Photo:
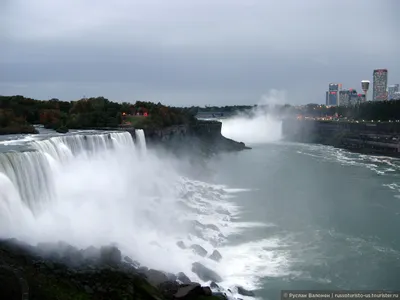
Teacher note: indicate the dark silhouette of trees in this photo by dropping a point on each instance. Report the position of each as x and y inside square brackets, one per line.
[18, 112]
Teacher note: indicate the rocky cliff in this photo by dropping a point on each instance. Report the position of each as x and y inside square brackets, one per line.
[60, 271]
[203, 137]
[369, 138]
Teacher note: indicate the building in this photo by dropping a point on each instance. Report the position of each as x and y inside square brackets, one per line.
[396, 96]
[379, 91]
[333, 93]
[344, 97]
[327, 98]
[353, 97]
[391, 90]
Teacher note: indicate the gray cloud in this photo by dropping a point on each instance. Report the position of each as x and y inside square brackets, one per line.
[194, 52]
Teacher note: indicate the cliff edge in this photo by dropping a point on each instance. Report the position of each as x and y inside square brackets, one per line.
[361, 137]
[203, 137]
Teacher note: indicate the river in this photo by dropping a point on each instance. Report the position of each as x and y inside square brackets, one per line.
[282, 215]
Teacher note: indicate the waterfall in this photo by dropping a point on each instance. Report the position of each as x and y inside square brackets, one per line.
[141, 140]
[32, 172]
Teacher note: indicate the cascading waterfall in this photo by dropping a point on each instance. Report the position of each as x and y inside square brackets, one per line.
[32, 172]
[141, 139]
[95, 189]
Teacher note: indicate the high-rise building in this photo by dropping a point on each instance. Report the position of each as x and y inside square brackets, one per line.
[327, 98]
[380, 85]
[344, 97]
[333, 93]
[353, 97]
[391, 90]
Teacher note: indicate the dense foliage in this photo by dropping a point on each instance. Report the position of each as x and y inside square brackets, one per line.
[17, 114]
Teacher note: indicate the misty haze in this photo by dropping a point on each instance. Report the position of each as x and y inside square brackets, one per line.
[199, 150]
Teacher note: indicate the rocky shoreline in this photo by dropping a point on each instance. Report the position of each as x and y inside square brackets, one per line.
[60, 271]
[364, 138]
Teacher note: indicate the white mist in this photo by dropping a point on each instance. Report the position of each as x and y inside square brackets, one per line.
[104, 189]
[260, 127]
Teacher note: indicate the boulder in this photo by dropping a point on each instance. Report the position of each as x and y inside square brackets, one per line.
[156, 277]
[220, 295]
[91, 252]
[214, 285]
[183, 278]
[207, 291]
[215, 256]
[110, 255]
[205, 273]
[189, 291]
[199, 250]
[213, 227]
[242, 291]
[171, 276]
[181, 245]
[132, 262]
[168, 289]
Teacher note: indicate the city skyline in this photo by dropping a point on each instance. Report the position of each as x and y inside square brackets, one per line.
[380, 88]
[193, 52]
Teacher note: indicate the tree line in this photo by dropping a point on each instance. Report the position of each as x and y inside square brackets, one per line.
[371, 110]
[18, 114]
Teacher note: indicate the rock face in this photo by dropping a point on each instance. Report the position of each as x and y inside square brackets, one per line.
[364, 137]
[203, 137]
[183, 278]
[110, 255]
[205, 273]
[199, 250]
[25, 273]
[216, 256]
[244, 292]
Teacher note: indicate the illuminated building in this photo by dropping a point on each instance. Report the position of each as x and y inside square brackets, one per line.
[333, 93]
[391, 90]
[380, 85]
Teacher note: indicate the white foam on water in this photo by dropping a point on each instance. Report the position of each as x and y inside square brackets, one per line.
[102, 188]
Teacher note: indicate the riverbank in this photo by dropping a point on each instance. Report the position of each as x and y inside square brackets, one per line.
[60, 271]
[366, 138]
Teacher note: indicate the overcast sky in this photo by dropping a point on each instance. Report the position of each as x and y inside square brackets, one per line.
[195, 52]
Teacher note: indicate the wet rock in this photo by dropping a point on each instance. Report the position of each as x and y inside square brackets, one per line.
[156, 277]
[110, 255]
[171, 276]
[220, 295]
[143, 269]
[242, 291]
[183, 278]
[199, 250]
[207, 291]
[181, 245]
[213, 227]
[215, 256]
[214, 285]
[189, 291]
[91, 253]
[205, 273]
[128, 259]
[168, 289]
[132, 262]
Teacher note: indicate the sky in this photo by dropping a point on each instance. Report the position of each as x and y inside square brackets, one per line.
[197, 52]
